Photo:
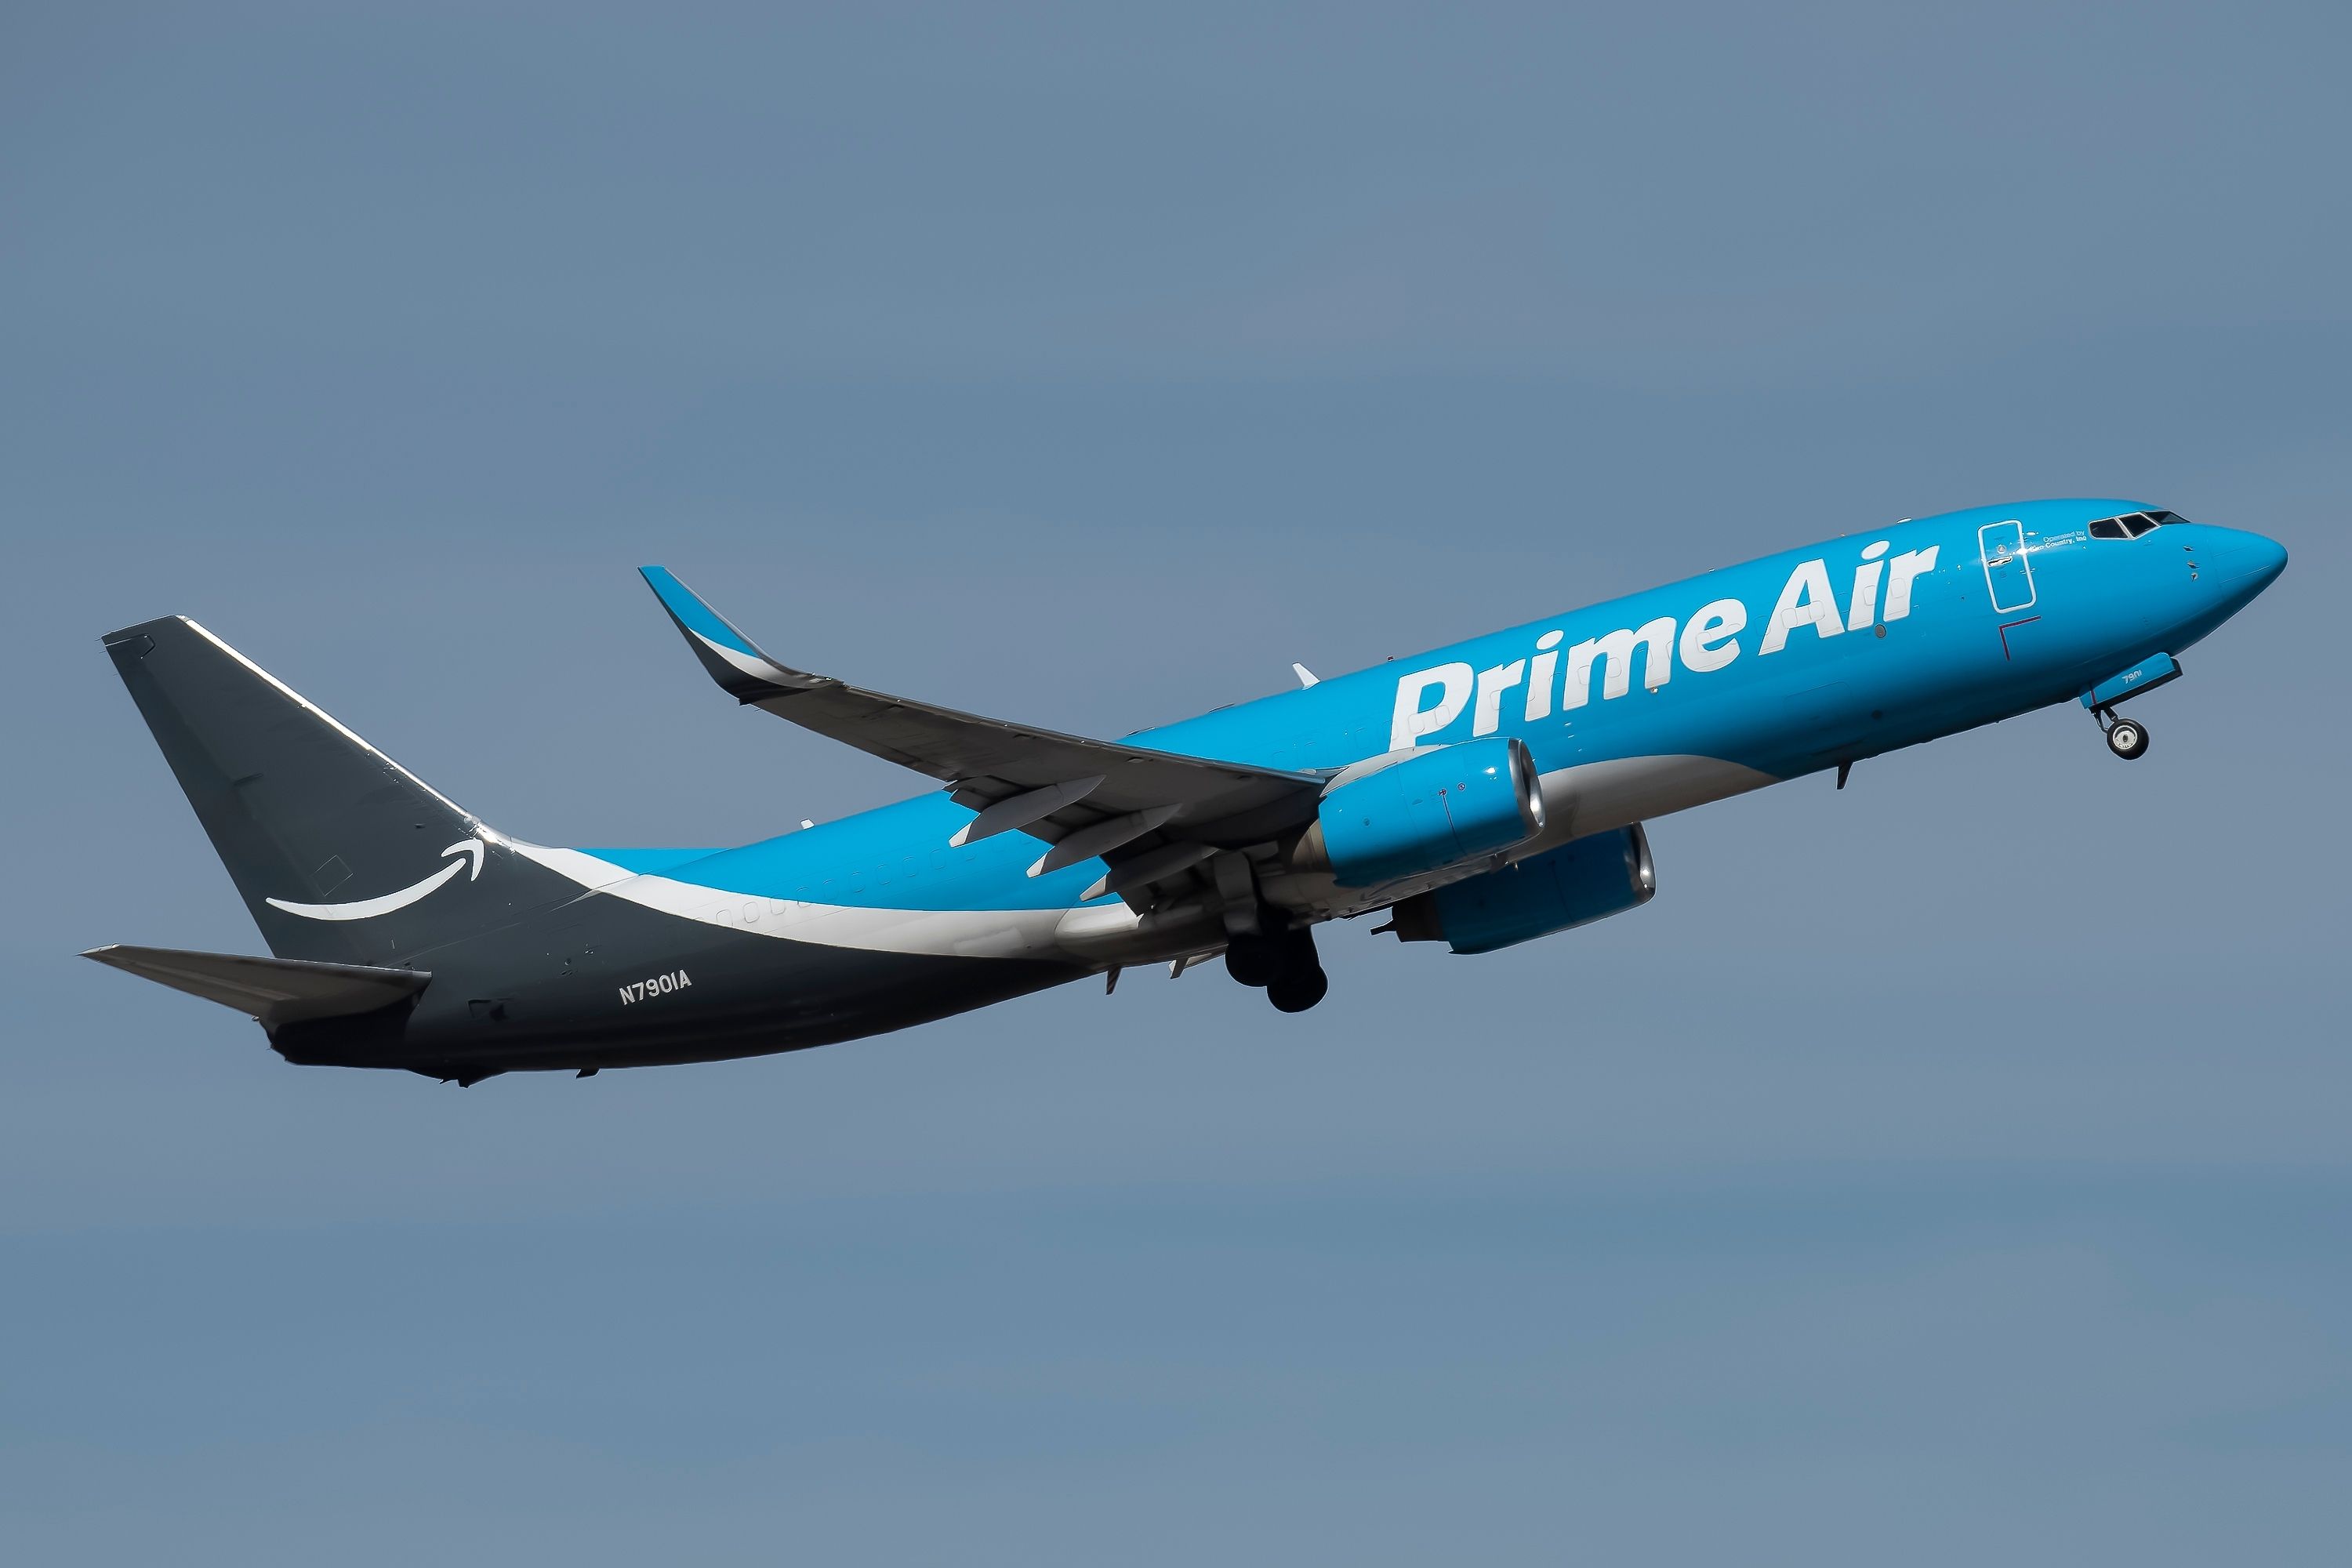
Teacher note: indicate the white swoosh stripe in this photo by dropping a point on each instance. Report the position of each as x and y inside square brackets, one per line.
[757, 669]
[959, 933]
[1589, 798]
[365, 909]
[368, 908]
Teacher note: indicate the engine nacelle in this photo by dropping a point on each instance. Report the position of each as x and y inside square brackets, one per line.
[1426, 814]
[1584, 881]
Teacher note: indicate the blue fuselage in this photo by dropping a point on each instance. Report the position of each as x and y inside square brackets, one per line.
[1628, 709]
[1735, 678]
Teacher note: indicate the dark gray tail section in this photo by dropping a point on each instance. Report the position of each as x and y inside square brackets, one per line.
[342, 855]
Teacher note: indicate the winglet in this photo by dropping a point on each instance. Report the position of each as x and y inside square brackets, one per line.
[734, 660]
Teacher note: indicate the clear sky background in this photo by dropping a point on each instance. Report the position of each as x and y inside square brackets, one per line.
[1952, 1170]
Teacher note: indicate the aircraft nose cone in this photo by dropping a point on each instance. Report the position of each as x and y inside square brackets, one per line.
[2247, 563]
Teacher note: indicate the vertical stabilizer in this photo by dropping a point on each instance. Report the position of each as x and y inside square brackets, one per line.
[342, 855]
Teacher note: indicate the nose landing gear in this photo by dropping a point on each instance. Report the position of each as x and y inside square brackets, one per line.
[1284, 964]
[2126, 738]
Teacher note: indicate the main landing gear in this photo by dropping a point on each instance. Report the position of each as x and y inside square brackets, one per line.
[2126, 738]
[1284, 964]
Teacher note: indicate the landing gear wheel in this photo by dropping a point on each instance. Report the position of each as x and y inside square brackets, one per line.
[1296, 990]
[1264, 958]
[2127, 738]
[1253, 960]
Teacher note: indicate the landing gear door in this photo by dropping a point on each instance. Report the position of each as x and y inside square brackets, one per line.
[2008, 575]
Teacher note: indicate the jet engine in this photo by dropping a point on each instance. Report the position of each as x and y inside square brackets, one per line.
[1584, 881]
[1426, 813]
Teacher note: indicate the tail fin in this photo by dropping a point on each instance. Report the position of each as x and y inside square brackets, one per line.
[342, 855]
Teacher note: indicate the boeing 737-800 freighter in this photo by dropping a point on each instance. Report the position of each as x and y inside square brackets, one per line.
[1483, 795]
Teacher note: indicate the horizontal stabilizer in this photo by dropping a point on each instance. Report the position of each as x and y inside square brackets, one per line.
[274, 990]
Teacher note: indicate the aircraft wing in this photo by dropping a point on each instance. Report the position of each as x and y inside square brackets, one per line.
[1083, 796]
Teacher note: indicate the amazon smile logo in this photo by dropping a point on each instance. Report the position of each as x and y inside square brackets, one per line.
[367, 908]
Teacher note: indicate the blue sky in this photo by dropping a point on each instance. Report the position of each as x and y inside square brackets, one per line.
[1947, 1168]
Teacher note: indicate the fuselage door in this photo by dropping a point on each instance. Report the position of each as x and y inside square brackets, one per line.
[2008, 575]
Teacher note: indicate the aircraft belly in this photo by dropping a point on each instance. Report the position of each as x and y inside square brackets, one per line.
[1593, 797]
[621, 984]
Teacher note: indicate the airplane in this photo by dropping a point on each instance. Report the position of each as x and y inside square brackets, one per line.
[1482, 795]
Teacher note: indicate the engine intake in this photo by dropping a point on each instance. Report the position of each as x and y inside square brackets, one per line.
[1426, 813]
[1584, 881]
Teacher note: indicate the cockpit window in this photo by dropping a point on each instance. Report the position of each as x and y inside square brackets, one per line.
[2132, 524]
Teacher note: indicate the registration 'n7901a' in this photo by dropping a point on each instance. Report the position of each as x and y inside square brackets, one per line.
[658, 986]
